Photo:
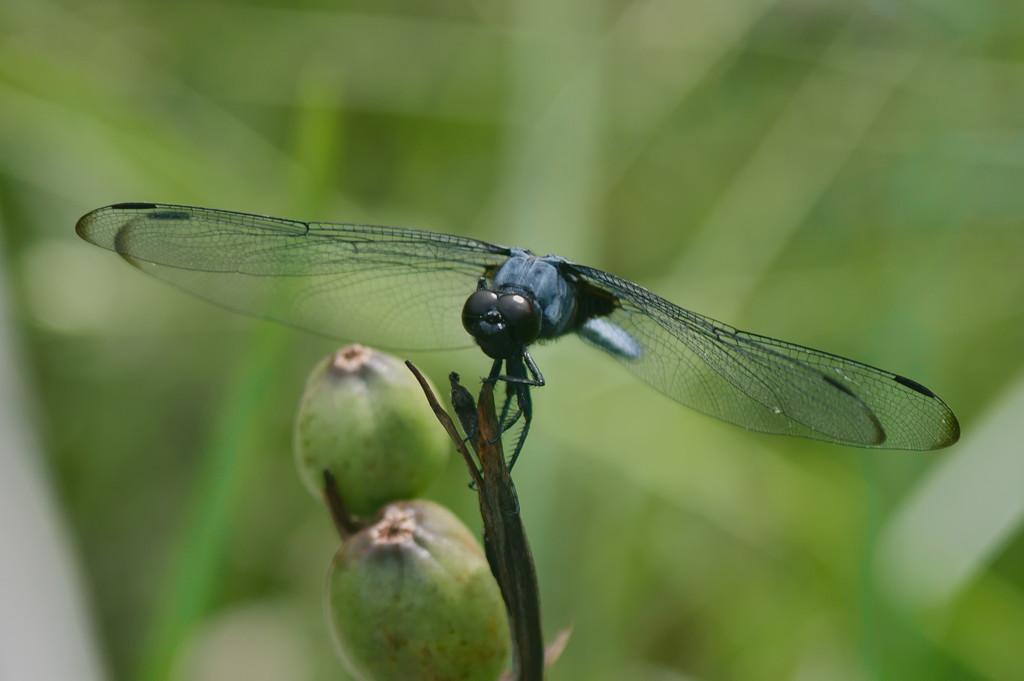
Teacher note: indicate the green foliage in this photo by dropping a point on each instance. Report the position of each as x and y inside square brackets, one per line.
[843, 175]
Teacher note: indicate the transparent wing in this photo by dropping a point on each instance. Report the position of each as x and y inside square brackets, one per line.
[766, 384]
[389, 287]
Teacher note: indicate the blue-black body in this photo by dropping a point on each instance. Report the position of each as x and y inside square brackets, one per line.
[566, 303]
[540, 279]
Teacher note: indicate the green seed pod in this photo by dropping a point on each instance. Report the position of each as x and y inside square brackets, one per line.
[412, 598]
[364, 418]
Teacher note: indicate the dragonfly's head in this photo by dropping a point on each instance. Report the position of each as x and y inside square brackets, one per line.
[501, 323]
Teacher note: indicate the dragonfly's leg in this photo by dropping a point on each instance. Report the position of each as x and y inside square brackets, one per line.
[521, 374]
[519, 385]
[495, 374]
[525, 401]
[518, 369]
[494, 377]
[506, 421]
[537, 376]
[513, 379]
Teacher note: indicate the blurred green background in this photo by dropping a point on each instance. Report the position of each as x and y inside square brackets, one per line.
[845, 175]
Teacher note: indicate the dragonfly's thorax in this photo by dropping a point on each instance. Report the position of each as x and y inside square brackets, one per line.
[539, 280]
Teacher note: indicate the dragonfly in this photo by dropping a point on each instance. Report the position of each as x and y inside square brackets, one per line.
[403, 289]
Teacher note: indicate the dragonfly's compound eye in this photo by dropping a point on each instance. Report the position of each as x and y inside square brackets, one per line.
[484, 316]
[480, 310]
[521, 315]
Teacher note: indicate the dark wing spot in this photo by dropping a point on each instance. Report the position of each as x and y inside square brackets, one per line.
[156, 214]
[913, 385]
[134, 206]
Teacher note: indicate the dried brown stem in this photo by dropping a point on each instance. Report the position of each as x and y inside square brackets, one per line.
[505, 542]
